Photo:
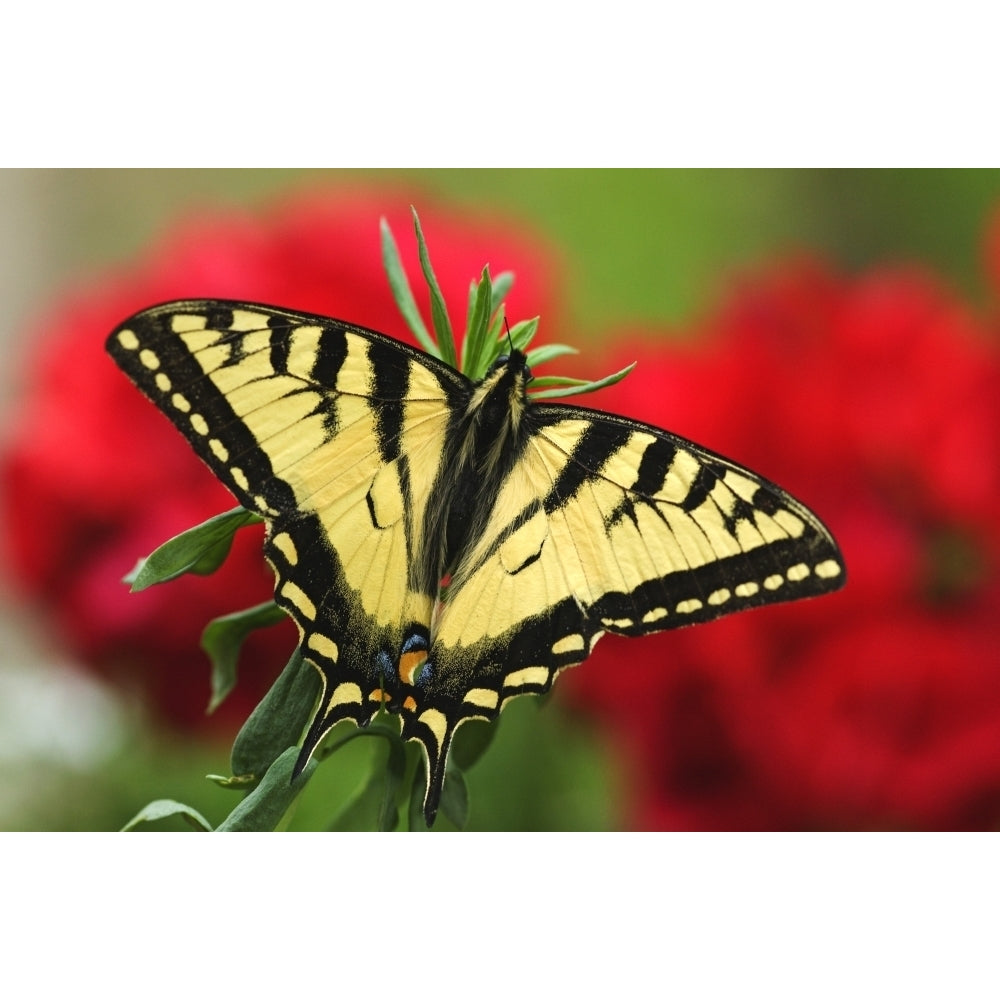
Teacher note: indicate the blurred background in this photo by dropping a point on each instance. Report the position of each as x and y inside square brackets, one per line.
[835, 330]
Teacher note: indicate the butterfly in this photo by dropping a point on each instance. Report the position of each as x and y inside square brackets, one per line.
[443, 544]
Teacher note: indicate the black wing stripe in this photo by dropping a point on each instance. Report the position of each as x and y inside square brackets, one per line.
[591, 451]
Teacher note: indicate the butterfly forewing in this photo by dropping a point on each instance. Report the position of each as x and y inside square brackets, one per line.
[686, 535]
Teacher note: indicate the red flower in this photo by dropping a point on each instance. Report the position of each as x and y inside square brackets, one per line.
[875, 401]
[93, 477]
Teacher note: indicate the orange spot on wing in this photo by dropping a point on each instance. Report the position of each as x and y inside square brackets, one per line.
[410, 704]
[408, 664]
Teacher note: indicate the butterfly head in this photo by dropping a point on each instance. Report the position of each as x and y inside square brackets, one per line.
[507, 378]
[515, 362]
[499, 400]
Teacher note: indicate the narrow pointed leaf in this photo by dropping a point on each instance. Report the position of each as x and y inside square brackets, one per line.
[470, 308]
[522, 333]
[541, 355]
[265, 806]
[439, 312]
[496, 340]
[497, 329]
[401, 292]
[476, 358]
[473, 323]
[223, 638]
[574, 387]
[162, 808]
[277, 722]
[502, 285]
[201, 550]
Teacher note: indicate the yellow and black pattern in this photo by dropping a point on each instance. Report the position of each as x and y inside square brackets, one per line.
[445, 545]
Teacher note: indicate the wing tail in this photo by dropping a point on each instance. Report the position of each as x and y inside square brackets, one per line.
[433, 730]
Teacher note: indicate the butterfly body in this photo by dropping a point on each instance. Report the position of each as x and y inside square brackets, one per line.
[444, 545]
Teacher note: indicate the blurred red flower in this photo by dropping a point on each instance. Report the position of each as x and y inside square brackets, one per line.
[874, 399]
[82, 499]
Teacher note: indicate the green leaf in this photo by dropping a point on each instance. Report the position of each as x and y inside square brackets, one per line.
[495, 330]
[541, 355]
[522, 333]
[469, 309]
[415, 813]
[471, 741]
[264, 807]
[401, 292]
[475, 347]
[162, 808]
[495, 343]
[455, 796]
[439, 312]
[376, 806]
[222, 639]
[575, 386]
[454, 803]
[201, 550]
[496, 334]
[502, 284]
[241, 784]
[395, 771]
[277, 722]
[362, 812]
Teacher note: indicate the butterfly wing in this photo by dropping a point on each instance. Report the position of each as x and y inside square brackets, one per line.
[603, 525]
[336, 436]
